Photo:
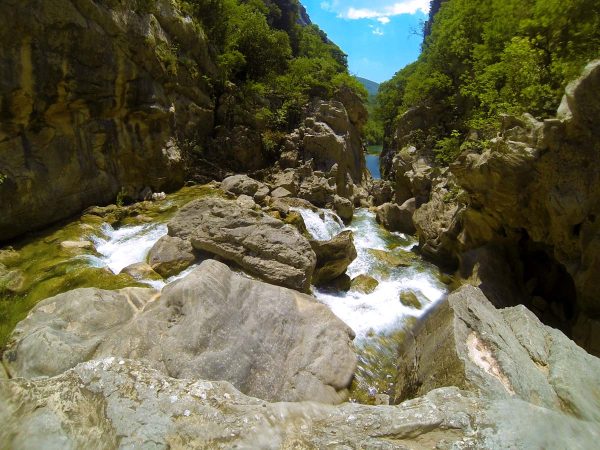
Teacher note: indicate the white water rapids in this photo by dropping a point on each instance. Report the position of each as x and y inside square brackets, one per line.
[381, 310]
[377, 312]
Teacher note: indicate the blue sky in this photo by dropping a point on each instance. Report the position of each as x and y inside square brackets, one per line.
[378, 35]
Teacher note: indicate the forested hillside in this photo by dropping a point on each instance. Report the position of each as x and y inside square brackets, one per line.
[276, 60]
[485, 58]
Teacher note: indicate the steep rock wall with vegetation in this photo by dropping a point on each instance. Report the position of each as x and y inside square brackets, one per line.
[106, 99]
[481, 59]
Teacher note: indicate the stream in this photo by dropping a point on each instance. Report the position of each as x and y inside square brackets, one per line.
[378, 318]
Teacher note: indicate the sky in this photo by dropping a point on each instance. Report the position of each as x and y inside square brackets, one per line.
[379, 36]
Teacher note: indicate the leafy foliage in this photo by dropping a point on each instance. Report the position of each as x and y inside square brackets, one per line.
[276, 64]
[483, 58]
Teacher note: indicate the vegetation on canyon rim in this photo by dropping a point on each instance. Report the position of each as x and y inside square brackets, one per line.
[277, 63]
[482, 59]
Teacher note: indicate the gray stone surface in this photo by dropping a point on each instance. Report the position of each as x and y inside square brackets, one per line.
[257, 242]
[333, 257]
[270, 342]
[171, 255]
[243, 184]
[499, 354]
[117, 403]
[397, 218]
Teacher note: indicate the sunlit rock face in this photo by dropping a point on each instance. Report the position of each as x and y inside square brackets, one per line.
[270, 342]
[532, 195]
[91, 105]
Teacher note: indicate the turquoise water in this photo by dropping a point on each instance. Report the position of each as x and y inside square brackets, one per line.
[372, 159]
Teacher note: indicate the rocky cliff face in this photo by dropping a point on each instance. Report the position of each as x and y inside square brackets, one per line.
[100, 99]
[521, 217]
[93, 99]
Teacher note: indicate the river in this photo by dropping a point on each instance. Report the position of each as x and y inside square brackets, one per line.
[379, 318]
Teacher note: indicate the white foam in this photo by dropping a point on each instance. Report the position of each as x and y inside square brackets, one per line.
[321, 229]
[381, 310]
[126, 245]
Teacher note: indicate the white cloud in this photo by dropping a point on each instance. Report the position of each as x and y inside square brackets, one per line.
[380, 10]
[378, 31]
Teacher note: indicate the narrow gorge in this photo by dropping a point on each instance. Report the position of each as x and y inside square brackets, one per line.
[214, 236]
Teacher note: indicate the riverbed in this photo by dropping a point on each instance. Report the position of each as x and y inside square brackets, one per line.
[378, 318]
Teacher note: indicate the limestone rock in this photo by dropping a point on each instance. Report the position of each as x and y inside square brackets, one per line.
[141, 271]
[500, 354]
[344, 208]
[364, 283]
[254, 240]
[112, 403]
[244, 185]
[288, 180]
[397, 218]
[317, 189]
[12, 281]
[333, 257]
[270, 342]
[171, 255]
[410, 299]
[245, 201]
[281, 192]
[92, 112]
[534, 193]
[397, 258]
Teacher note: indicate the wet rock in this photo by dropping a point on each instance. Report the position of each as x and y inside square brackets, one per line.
[271, 342]
[333, 257]
[9, 256]
[171, 255]
[255, 241]
[397, 218]
[77, 245]
[396, 259]
[342, 283]
[141, 271]
[501, 354]
[12, 281]
[410, 299]
[364, 284]
[344, 208]
[295, 219]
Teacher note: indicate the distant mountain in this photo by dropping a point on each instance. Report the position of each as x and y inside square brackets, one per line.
[371, 86]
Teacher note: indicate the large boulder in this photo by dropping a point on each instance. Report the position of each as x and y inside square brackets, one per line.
[257, 242]
[171, 255]
[244, 185]
[500, 354]
[270, 342]
[333, 257]
[397, 218]
[91, 112]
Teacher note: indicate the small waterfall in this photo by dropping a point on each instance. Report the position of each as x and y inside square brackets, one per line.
[126, 245]
[380, 311]
[322, 229]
